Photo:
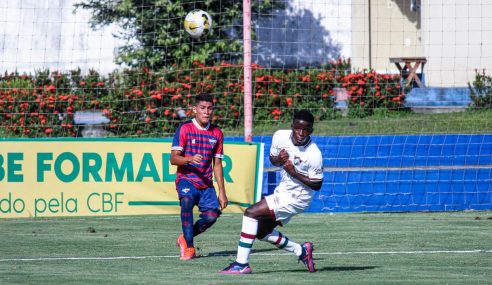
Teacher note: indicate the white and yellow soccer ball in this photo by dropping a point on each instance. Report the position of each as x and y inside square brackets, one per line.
[198, 23]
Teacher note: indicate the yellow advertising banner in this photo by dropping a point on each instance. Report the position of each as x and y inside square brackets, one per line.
[96, 177]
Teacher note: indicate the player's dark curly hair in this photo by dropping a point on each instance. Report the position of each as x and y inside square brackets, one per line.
[204, 97]
[304, 115]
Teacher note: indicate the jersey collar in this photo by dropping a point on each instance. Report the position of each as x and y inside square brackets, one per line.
[198, 125]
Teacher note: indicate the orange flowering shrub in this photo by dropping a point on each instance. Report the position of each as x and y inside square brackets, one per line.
[369, 91]
[152, 103]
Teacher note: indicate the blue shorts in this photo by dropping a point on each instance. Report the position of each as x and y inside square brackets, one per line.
[206, 199]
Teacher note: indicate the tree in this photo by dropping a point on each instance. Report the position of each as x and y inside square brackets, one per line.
[154, 34]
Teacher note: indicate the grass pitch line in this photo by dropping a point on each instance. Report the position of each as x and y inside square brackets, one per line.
[88, 258]
[259, 253]
[405, 252]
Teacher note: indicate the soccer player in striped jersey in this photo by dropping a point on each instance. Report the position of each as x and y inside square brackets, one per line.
[197, 150]
[301, 176]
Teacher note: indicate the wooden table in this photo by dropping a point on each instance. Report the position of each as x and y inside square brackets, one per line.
[409, 69]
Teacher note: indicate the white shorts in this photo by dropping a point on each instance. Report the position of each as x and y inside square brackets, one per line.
[284, 206]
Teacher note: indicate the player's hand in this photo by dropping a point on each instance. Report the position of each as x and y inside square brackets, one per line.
[283, 156]
[223, 201]
[196, 159]
[289, 167]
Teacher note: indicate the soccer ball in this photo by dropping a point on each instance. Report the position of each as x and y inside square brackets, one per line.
[198, 23]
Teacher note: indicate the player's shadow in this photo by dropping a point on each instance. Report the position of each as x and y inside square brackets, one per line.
[346, 268]
[326, 268]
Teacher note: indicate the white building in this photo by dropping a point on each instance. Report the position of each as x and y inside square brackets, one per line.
[455, 36]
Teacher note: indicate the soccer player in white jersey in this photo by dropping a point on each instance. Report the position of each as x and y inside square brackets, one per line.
[302, 175]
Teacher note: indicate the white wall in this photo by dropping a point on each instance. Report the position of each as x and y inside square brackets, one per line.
[38, 34]
[394, 32]
[457, 39]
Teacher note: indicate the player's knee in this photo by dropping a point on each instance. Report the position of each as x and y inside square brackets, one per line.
[186, 202]
[208, 219]
[250, 213]
[211, 217]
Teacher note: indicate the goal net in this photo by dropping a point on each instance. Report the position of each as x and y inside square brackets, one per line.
[401, 89]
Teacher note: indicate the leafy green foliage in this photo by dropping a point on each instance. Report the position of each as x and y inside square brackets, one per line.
[481, 91]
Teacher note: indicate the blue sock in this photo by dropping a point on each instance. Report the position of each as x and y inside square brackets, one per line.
[187, 219]
[207, 219]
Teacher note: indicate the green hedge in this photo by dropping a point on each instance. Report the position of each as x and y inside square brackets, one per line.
[481, 90]
[146, 103]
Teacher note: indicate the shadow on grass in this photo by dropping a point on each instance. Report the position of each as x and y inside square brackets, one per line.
[346, 268]
[326, 268]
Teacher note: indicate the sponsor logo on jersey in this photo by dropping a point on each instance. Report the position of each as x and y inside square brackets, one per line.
[297, 160]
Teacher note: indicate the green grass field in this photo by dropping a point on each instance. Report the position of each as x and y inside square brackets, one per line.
[355, 248]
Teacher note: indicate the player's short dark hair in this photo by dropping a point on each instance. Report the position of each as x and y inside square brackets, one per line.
[304, 115]
[204, 97]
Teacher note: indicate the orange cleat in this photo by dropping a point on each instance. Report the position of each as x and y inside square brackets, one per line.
[181, 242]
[189, 253]
[185, 252]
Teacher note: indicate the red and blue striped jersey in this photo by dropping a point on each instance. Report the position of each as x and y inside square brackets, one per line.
[190, 138]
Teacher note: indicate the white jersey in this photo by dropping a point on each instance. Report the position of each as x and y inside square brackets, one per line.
[307, 160]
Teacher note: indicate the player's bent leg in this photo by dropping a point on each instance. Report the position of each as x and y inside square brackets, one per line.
[207, 219]
[266, 225]
[283, 242]
[284, 209]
